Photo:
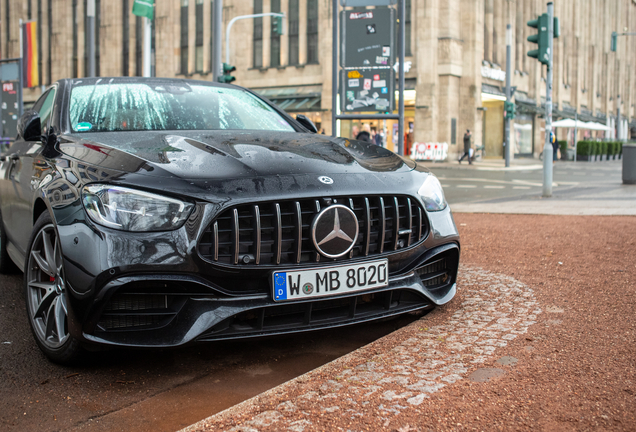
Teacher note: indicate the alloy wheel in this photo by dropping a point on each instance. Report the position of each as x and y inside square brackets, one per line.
[46, 289]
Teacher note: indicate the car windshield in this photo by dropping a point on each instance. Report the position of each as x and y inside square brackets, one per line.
[169, 106]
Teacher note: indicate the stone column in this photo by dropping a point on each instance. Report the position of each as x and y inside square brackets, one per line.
[426, 46]
[472, 24]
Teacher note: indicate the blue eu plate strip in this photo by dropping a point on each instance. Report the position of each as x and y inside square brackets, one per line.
[280, 286]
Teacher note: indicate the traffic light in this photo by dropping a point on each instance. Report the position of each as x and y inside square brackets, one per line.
[614, 37]
[510, 110]
[541, 39]
[277, 25]
[226, 77]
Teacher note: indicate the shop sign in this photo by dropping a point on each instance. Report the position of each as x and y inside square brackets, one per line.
[429, 151]
[494, 74]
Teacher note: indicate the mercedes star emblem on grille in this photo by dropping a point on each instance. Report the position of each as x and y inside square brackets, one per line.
[335, 231]
[325, 179]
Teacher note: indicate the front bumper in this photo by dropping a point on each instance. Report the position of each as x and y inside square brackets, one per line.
[153, 290]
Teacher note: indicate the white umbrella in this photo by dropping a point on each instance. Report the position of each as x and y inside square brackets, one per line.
[595, 126]
[567, 123]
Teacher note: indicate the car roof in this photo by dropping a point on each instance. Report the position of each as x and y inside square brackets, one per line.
[141, 80]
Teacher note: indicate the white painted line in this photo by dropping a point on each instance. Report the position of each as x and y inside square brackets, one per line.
[521, 187]
[494, 187]
[466, 186]
[446, 186]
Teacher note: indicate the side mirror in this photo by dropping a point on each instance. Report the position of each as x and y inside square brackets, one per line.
[29, 127]
[308, 124]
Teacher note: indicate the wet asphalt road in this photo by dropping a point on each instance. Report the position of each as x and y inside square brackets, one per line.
[463, 186]
[144, 390]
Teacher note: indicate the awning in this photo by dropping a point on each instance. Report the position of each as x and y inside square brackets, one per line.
[294, 98]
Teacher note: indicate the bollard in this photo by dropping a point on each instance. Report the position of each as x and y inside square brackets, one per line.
[629, 163]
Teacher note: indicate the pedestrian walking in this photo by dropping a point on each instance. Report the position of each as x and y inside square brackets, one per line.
[555, 146]
[467, 148]
[379, 138]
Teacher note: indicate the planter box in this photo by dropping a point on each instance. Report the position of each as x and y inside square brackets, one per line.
[585, 158]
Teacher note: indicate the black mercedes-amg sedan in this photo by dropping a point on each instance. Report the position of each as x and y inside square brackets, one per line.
[150, 212]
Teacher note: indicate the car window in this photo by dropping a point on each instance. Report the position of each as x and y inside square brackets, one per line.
[173, 106]
[46, 109]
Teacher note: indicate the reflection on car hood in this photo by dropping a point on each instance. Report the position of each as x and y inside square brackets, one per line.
[230, 154]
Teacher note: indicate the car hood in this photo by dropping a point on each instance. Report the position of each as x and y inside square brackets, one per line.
[216, 155]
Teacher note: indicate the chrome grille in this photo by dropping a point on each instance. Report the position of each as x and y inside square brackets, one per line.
[273, 233]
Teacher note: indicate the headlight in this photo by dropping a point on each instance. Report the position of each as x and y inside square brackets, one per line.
[432, 194]
[133, 210]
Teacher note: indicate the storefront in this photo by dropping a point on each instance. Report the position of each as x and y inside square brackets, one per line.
[303, 99]
[388, 128]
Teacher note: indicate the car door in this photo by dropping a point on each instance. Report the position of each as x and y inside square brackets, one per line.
[26, 173]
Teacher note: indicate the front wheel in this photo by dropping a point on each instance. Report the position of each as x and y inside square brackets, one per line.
[45, 293]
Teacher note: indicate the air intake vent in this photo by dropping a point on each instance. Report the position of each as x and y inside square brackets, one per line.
[273, 233]
[440, 271]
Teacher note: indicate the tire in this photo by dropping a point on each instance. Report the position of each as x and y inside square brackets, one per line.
[45, 294]
[6, 264]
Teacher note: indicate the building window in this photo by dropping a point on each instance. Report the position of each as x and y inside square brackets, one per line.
[138, 46]
[407, 28]
[211, 35]
[97, 25]
[125, 19]
[198, 53]
[7, 27]
[258, 35]
[293, 32]
[49, 65]
[75, 42]
[184, 37]
[274, 50]
[312, 31]
[29, 10]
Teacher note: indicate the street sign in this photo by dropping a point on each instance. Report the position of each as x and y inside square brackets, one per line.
[368, 37]
[367, 90]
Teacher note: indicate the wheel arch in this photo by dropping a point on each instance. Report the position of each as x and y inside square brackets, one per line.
[39, 207]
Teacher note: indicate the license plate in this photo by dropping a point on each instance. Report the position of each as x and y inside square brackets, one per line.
[330, 281]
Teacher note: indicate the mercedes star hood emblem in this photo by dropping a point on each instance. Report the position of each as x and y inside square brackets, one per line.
[335, 231]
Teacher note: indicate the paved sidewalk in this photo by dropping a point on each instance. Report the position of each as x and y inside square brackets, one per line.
[368, 388]
[496, 164]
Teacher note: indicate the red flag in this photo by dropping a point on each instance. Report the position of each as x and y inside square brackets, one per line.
[30, 73]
